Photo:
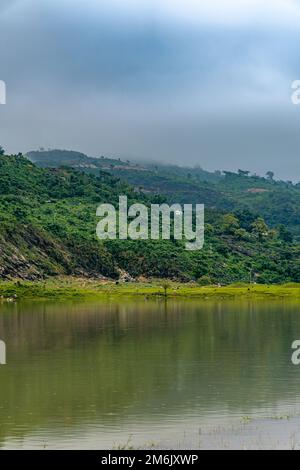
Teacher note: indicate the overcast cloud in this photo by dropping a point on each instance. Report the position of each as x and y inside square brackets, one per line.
[190, 82]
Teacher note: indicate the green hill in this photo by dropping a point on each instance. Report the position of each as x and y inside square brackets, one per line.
[278, 202]
[48, 226]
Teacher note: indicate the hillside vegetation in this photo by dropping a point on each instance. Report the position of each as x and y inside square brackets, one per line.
[48, 221]
[278, 202]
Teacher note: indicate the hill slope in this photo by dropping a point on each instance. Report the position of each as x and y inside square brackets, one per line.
[48, 226]
[278, 202]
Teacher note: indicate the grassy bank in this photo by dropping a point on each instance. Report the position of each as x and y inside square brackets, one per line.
[72, 288]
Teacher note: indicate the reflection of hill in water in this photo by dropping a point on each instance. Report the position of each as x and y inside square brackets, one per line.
[103, 363]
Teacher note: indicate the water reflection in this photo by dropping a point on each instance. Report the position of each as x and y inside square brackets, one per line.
[105, 371]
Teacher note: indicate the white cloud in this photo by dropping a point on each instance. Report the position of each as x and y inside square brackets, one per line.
[260, 13]
[233, 11]
[223, 12]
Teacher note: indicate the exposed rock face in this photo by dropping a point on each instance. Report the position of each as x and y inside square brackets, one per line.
[26, 257]
[33, 255]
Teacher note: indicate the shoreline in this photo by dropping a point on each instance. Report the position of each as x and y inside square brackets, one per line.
[78, 288]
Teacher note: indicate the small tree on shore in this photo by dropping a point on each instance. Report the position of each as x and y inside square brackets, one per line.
[165, 285]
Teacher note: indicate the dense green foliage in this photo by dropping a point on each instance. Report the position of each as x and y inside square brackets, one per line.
[48, 221]
[278, 202]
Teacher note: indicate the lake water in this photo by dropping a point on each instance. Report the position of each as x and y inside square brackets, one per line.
[142, 373]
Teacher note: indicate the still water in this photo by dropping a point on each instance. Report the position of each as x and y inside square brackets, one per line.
[162, 374]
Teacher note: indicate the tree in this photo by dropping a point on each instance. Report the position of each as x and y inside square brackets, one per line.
[165, 285]
[285, 234]
[230, 223]
[270, 175]
[229, 174]
[260, 228]
[241, 234]
[243, 172]
[1, 150]
[205, 281]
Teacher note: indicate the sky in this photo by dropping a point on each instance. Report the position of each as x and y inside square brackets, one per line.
[191, 82]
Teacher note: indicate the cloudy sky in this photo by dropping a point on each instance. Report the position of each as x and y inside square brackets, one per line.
[189, 82]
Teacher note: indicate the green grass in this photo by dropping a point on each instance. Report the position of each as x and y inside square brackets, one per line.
[64, 288]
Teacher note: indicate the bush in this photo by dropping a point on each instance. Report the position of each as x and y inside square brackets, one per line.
[204, 281]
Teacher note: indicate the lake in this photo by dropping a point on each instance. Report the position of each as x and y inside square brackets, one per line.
[149, 373]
